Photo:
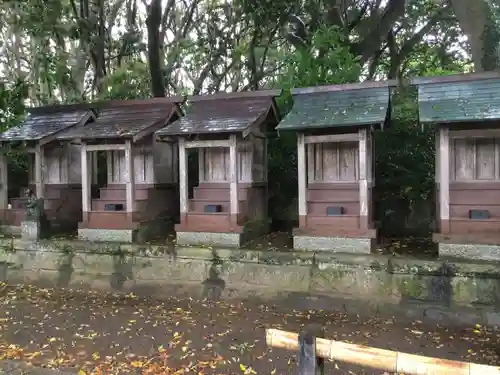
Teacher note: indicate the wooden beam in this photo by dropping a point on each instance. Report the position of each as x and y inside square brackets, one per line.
[202, 144]
[106, 147]
[302, 173]
[462, 77]
[266, 161]
[95, 168]
[310, 151]
[139, 102]
[4, 184]
[174, 163]
[381, 359]
[64, 164]
[165, 138]
[234, 95]
[497, 159]
[233, 175]
[369, 157]
[330, 138]
[363, 173]
[86, 207]
[109, 166]
[254, 131]
[129, 176]
[444, 174]
[39, 171]
[436, 167]
[258, 134]
[476, 133]
[201, 164]
[183, 177]
[345, 87]
[47, 139]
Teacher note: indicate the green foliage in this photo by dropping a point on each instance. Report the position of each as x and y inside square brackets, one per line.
[404, 170]
[405, 153]
[131, 81]
[267, 12]
[12, 104]
[325, 61]
[12, 111]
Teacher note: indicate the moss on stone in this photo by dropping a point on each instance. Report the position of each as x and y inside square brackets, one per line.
[413, 287]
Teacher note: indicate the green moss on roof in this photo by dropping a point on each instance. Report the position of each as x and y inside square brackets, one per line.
[337, 108]
[448, 102]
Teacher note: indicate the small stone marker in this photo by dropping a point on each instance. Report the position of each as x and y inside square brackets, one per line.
[30, 230]
[31, 227]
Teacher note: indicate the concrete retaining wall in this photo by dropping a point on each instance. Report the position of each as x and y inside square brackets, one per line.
[459, 292]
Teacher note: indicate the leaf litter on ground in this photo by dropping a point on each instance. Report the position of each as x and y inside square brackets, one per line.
[103, 333]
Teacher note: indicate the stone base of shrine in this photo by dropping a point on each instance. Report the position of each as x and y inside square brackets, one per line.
[107, 235]
[231, 240]
[475, 246]
[31, 230]
[469, 251]
[333, 244]
[11, 229]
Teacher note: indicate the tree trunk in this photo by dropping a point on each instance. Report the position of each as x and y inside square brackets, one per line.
[153, 22]
[476, 21]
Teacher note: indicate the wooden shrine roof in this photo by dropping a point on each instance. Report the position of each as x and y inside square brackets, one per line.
[346, 105]
[459, 98]
[222, 113]
[43, 122]
[126, 118]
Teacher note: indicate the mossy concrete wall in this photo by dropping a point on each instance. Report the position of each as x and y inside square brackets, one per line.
[452, 293]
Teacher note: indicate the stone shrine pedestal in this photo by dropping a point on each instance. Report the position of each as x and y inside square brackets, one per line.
[30, 230]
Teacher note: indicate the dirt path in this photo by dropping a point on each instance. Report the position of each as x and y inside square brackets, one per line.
[126, 334]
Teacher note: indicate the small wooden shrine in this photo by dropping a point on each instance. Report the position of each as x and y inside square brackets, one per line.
[137, 193]
[51, 175]
[466, 111]
[228, 131]
[334, 126]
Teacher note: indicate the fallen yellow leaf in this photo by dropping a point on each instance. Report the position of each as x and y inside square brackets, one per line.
[34, 354]
[137, 364]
